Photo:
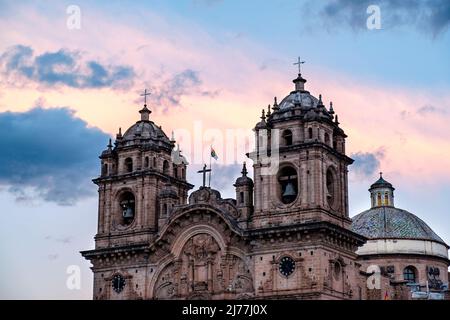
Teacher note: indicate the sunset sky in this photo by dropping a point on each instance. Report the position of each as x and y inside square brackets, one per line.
[211, 66]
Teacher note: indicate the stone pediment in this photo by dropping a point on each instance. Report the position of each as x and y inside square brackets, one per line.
[212, 197]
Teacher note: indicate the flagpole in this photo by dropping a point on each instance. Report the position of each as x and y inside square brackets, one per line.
[210, 156]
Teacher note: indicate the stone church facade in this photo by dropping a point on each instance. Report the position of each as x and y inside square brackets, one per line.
[286, 235]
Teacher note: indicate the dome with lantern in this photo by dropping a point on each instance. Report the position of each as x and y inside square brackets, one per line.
[384, 223]
[146, 133]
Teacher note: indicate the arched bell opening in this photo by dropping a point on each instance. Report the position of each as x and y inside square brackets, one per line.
[127, 205]
[288, 184]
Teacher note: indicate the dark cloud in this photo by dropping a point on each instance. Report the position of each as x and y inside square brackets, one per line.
[429, 109]
[366, 164]
[169, 93]
[49, 154]
[62, 67]
[431, 16]
[424, 111]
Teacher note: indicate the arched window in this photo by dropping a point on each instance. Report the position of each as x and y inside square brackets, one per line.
[337, 270]
[146, 162]
[183, 173]
[154, 162]
[378, 199]
[127, 207]
[175, 171]
[327, 139]
[386, 198]
[105, 169]
[165, 210]
[288, 181]
[166, 167]
[409, 274]
[241, 197]
[331, 188]
[129, 165]
[310, 133]
[287, 137]
[334, 144]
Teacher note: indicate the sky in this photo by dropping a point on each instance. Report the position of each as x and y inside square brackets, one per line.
[68, 84]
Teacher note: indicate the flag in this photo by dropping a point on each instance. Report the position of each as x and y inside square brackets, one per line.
[214, 154]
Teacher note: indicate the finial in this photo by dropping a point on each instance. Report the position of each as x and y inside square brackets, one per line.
[145, 112]
[178, 147]
[244, 170]
[145, 94]
[336, 120]
[299, 81]
[320, 100]
[263, 116]
[119, 135]
[331, 107]
[172, 139]
[268, 110]
[110, 144]
[275, 104]
[381, 175]
[299, 63]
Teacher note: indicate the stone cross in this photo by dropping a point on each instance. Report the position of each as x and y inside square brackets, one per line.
[204, 171]
[145, 94]
[299, 63]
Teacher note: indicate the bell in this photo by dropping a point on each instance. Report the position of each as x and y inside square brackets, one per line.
[289, 190]
[128, 213]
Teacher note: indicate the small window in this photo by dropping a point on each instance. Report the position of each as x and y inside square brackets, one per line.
[287, 137]
[331, 188]
[146, 162]
[129, 165]
[165, 210]
[166, 167]
[379, 203]
[409, 274]
[241, 197]
[183, 173]
[386, 198]
[105, 169]
[327, 139]
[154, 162]
[337, 270]
[310, 133]
[175, 171]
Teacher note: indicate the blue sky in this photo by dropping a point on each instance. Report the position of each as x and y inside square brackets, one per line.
[213, 60]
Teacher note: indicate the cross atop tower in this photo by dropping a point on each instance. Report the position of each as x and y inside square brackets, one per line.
[204, 171]
[299, 63]
[145, 113]
[145, 94]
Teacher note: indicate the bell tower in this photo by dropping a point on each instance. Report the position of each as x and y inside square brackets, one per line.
[142, 161]
[300, 163]
[142, 180]
[305, 248]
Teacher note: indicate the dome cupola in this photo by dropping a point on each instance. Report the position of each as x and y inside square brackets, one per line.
[381, 193]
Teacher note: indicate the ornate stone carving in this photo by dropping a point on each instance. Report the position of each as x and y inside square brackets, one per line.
[203, 271]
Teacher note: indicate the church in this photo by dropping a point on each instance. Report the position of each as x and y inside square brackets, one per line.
[287, 234]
